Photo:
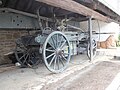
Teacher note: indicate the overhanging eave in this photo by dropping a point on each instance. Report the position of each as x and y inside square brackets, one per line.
[75, 7]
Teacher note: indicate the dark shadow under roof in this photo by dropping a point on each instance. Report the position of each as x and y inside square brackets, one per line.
[31, 6]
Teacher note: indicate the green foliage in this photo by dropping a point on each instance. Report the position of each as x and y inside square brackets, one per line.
[118, 42]
[119, 37]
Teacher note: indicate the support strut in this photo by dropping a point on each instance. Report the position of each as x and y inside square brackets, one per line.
[90, 35]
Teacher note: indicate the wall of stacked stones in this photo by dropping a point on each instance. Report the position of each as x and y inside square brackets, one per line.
[7, 43]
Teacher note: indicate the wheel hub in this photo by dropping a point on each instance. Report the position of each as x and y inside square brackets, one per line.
[58, 51]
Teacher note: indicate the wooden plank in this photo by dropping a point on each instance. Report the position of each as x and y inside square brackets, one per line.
[4, 68]
[99, 6]
[75, 7]
[88, 3]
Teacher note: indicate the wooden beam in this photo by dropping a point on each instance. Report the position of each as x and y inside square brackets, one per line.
[87, 3]
[75, 7]
[99, 6]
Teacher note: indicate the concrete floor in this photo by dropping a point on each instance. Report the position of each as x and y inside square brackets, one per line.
[94, 77]
[80, 75]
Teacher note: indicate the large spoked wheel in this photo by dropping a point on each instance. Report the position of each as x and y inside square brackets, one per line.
[56, 52]
[27, 57]
[94, 44]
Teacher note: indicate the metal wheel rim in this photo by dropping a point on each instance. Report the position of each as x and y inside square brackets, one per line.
[17, 57]
[55, 57]
[27, 57]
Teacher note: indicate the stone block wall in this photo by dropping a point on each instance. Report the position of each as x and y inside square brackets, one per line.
[7, 42]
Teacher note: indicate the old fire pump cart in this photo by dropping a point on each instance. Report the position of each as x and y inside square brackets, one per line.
[52, 38]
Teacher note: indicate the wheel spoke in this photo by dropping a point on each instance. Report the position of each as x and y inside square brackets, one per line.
[25, 58]
[60, 41]
[63, 44]
[63, 57]
[54, 63]
[30, 60]
[61, 61]
[50, 50]
[22, 56]
[57, 41]
[53, 42]
[22, 48]
[58, 62]
[50, 55]
[52, 60]
[51, 45]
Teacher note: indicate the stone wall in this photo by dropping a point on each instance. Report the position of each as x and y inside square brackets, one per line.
[7, 42]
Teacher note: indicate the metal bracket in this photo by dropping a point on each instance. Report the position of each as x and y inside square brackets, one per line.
[9, 20]
[14, 19]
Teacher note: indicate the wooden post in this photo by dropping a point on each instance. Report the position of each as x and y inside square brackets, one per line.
[90, 34]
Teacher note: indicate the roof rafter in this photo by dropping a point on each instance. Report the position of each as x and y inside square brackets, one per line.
[75, 7]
